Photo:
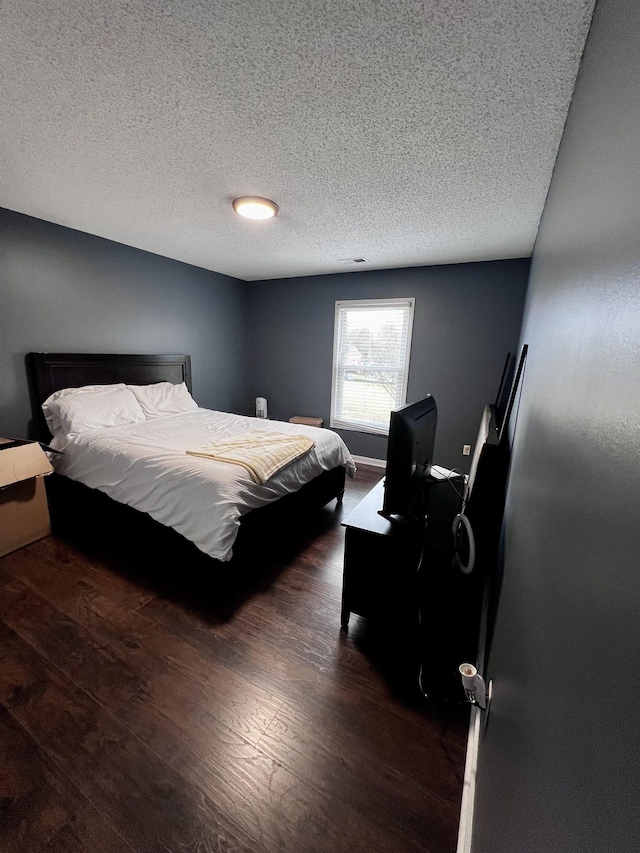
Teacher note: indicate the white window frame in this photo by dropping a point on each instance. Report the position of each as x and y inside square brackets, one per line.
[359, 426]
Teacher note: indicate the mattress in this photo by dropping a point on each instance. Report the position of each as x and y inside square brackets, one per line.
[145, 465]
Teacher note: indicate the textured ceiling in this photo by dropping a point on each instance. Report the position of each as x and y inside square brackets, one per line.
[403, 131]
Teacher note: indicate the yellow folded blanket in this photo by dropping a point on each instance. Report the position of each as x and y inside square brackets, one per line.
[263, 454]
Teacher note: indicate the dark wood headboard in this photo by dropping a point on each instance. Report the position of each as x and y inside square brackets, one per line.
[51, 371]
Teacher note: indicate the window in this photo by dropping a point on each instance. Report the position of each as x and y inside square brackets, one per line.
[371, 347]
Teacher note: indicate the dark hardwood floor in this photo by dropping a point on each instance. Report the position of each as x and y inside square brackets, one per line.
[151, 700]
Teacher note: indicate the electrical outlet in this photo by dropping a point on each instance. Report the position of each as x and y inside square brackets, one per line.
[466, 450]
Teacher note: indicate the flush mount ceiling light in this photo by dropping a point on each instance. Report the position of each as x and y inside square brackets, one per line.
[254, 207]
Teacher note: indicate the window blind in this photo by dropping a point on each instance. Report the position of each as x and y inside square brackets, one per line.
[372, 343]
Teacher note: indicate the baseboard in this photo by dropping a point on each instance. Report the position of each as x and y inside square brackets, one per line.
[469, 785]
[369, 460]
[476, 725]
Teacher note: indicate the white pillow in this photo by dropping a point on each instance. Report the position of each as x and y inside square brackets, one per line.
[163, 398]
[93, 410]
[50, 414]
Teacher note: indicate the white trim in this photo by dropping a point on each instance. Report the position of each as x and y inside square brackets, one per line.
[369, 460]
[334, 423]
[476, 725]
[469, 785]
[333, 366]
[407, 355]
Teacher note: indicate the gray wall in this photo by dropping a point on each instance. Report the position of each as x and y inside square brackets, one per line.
[559, 769]
[62, 290]
[467, 317]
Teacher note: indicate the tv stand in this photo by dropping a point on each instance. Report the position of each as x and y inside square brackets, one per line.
[393, 572]
[381, 560]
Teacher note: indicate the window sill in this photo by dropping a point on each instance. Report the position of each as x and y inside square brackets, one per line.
[356, 427]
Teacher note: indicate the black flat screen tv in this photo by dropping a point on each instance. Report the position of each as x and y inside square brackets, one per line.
[412, 432]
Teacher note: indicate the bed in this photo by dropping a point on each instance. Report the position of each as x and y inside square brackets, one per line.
[144, 465]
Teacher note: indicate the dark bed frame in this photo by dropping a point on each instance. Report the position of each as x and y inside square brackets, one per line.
[50, 372]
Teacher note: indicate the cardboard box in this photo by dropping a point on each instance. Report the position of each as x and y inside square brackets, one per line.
[298, 419]
[24, 513]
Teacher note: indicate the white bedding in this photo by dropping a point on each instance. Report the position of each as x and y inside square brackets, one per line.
[145, 465]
